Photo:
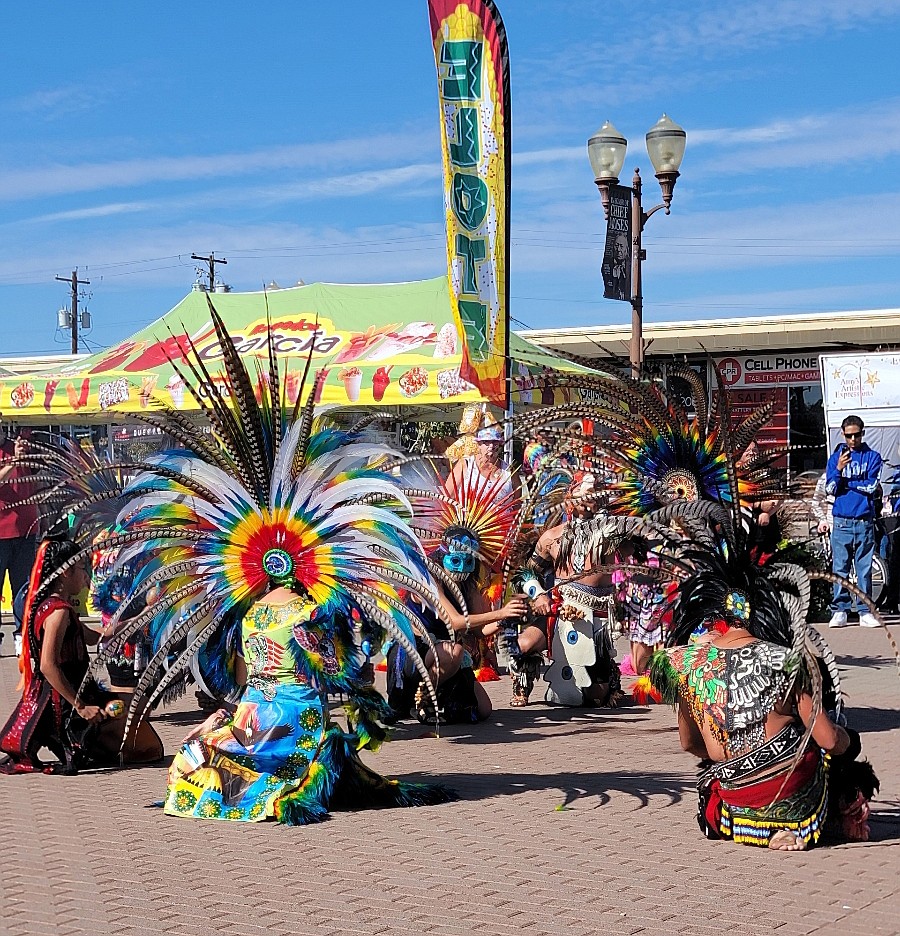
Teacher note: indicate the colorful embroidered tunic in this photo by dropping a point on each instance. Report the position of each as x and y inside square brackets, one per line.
[265, 752]
[732, 691]
[278, 756]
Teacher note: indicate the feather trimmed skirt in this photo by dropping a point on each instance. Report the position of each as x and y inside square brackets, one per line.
[278, 757]
[752, 796]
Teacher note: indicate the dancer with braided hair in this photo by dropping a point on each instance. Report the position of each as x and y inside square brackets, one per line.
[54, 660]
[51, 714]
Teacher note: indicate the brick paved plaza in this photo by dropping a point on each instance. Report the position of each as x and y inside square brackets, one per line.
[571, 822]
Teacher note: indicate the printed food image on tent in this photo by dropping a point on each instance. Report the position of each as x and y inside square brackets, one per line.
[389, 345]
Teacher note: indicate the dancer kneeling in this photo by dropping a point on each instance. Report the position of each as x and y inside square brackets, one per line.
[782, 771]
[569, 583]
[466, 523]
[451, 662]
[81, 729]
[266, 543]
[278, 754]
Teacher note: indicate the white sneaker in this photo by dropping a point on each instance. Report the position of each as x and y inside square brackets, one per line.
[869, 620]
[17, 644]
[838, 619]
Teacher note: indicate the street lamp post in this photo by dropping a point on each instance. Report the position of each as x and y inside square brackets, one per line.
[606, 151]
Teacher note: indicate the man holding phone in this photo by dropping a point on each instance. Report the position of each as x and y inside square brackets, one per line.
[852, 479]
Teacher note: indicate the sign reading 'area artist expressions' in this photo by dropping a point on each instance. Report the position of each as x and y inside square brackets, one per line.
[862, 384]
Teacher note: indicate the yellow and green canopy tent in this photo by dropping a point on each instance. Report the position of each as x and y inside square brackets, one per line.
[378, 345]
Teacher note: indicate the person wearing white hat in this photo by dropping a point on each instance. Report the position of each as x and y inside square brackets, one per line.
[486, 462]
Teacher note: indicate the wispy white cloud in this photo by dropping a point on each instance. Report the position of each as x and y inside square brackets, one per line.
[550, 155]
[668, 53]
[258, 252]
[821, 232]
[564, 240]
[868, 132]
[841, 137]
[545, 249]
[707, 31]
[750, 25]
[775, 132]
[55, 102]
[351, 185]
[82, 214]
[408, 181]
[42, 181]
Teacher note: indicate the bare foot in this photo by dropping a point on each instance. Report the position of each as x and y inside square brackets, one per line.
[785, 840]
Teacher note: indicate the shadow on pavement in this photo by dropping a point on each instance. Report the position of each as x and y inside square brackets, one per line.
[868, 719]
[865, 662]
[531, 723]
[194, 717]
[571, 787]
[884, 823]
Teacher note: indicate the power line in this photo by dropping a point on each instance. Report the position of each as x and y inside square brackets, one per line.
[544, 238]
[168, 266]
[523, 237]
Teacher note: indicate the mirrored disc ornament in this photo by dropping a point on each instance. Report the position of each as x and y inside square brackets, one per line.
[278, 564]
[681, 484]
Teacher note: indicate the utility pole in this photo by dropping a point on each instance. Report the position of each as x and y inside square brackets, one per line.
[212, 261]
[75, 283]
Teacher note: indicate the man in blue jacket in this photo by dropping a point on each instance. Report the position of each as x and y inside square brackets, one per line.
[852, 479]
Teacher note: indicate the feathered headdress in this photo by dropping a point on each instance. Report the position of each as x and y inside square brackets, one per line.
[654, 453]
[464, 513]
[483, 509]
[69, 480]
[693, 481]
[272, 496]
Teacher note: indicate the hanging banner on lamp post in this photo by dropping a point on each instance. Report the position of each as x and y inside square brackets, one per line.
[472, 59]
[617, 253]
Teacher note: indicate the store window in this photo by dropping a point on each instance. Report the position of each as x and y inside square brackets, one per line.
[807, 428]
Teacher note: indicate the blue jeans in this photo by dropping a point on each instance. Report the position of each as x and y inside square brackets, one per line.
[852, 546]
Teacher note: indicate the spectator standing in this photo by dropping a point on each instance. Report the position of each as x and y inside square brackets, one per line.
[852, 479]
[485, 465]
[17, 523]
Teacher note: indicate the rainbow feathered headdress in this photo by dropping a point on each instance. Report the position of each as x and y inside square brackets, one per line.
[485, 508]
[271, 490]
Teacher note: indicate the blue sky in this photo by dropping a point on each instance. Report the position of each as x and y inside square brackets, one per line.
[301, 141]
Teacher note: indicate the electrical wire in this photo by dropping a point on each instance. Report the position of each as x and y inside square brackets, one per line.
[523, 237]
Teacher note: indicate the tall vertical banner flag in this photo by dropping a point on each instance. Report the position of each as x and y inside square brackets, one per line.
[472, 60]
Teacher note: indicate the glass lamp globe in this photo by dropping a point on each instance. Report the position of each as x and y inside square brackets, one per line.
[606, 151]
[665, 145]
